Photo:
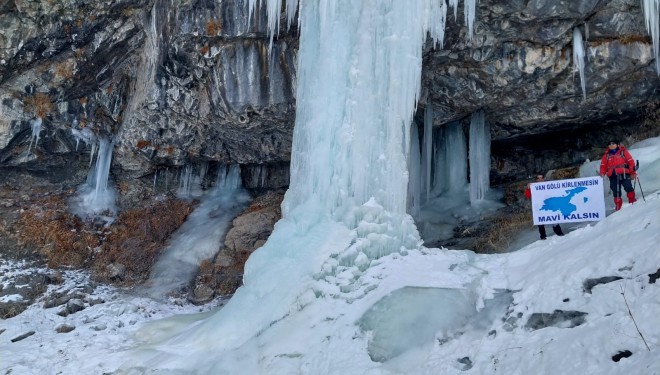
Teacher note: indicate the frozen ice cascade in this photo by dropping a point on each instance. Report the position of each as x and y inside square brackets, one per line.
[201, 235]
[96, 196]
[359, 72]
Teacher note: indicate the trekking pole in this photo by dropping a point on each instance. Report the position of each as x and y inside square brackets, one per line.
[637, 181]
[640, 188]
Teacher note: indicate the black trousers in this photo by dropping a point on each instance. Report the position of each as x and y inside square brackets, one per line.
[556, 228]
[617, 181]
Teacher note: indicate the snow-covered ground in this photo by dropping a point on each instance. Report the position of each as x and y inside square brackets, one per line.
[566, 305]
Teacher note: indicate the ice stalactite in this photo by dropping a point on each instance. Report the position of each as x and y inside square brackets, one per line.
[470, 15]
[258, 176]
[35, 125]
[439, 162]
[186, 181]
[427, 151]
[479, 155]
[652, 18]
[85, 135]
[454, 5]
[578, 59]
[414, 173]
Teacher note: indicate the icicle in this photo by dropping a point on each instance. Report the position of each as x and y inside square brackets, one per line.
[85, 135]
[167, 178]
[36, 129]
[454, 4]
[470, 15]
[229, 177]
[652, 17]
[427, 149]
[185, 181]
[479, 157]
[155, 178]
[91, 154]
[578, 59]
[415, 174]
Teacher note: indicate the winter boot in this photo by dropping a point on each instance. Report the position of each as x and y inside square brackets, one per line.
[618, 202]
[631, 197]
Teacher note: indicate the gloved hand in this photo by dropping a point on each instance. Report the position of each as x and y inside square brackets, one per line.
[633, 175]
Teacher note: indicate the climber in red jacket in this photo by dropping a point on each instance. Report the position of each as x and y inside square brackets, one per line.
[619, 166]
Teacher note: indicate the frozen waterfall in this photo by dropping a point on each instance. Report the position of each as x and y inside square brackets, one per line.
[359, 72]
[96, 196]
[358, 84]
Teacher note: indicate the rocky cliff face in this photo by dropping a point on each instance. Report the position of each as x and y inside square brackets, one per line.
[519, 69]
[174, 82]
[182, 86]
[183, 82]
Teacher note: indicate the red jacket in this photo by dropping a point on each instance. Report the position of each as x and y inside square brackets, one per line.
[619, 163]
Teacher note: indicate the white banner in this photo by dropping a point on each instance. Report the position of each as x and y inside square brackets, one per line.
[568, 201]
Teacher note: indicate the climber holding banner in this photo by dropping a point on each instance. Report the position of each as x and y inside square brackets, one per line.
[619, 166]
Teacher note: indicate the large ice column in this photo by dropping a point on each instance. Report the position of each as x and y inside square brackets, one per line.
[427, 152]
[456, 157]
[414, 173]
[479, 157]
[439, 161]
[652, 17]
[354, 109]
[578, 59]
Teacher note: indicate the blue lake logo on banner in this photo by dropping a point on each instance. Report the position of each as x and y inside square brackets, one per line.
[568, 201]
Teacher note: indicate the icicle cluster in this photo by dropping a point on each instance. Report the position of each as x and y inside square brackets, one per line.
[433, 23]
[652, 17]
[273, 8]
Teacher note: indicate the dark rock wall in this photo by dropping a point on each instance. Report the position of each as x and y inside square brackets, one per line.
[174, 82]
[187, 82]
